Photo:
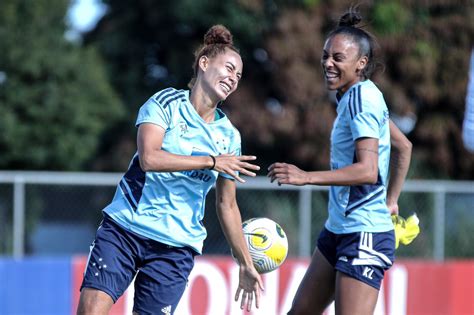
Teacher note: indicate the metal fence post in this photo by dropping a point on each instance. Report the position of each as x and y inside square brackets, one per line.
[18, 217]
[439, 225]
[304, 235]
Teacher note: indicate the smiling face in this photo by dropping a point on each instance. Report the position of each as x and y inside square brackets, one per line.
[341, 63]
[221, 74]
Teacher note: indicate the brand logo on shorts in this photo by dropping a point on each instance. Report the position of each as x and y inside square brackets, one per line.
[368, 272]
[343, 258]
[166, 310]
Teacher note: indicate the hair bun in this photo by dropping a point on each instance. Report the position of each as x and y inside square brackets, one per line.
[350, 19]
[218, 34]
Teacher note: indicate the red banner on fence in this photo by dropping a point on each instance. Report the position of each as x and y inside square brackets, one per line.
[410, 287]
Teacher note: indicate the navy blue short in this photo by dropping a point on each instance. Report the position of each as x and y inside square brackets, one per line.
[161, 271]
[362, 255]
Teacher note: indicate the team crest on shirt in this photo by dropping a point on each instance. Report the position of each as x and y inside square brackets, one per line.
[222, 144]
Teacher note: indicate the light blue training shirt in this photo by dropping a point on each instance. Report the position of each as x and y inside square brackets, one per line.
[361, 113]
[169, 206]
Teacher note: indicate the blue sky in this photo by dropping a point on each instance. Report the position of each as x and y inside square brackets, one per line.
[84, 14]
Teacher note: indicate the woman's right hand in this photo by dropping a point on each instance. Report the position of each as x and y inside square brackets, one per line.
[234, 165]
[250, 287]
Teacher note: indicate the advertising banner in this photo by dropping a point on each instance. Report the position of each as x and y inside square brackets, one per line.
[409, 288]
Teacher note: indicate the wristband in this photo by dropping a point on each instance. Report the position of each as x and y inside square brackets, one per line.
[213, 162]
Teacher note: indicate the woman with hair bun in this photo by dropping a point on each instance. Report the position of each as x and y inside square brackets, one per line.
[153, 228]
[357, 243]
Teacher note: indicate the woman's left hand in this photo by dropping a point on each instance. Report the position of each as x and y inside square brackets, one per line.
[392, 208]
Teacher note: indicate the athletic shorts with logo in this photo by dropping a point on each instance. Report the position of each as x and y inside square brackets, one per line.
[362, 255]
[117, 255]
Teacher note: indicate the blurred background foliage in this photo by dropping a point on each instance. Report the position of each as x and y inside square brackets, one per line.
[71, 104]
[55, 97]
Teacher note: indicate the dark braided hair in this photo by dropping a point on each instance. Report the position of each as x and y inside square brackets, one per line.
[216, 40]
[348, 25]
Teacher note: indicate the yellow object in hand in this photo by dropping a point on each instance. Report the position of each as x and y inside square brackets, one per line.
[406, 230]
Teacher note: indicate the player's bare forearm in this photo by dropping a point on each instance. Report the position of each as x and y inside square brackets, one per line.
[162, 161]
[230, 219]
[400, 158]
[153, 159]
[399, 165]
[364, 171]
[231, 224]
[355, 174]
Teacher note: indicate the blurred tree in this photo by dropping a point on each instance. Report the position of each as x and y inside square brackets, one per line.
[282, 107]
[54, 95]
[427, 56]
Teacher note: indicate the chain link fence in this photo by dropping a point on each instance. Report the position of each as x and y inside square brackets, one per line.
[44, 213]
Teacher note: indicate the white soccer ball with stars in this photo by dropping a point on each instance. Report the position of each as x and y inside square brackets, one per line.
[267, 243]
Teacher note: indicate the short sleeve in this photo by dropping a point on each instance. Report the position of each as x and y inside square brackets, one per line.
[365, 125]
[153, 112]
[367, 112]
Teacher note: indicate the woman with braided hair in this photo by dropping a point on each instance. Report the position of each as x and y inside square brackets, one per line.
[153, 227]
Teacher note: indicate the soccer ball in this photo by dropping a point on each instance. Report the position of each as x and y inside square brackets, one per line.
[267, 243]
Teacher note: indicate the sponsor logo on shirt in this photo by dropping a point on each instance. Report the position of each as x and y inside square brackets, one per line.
[198, 174]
